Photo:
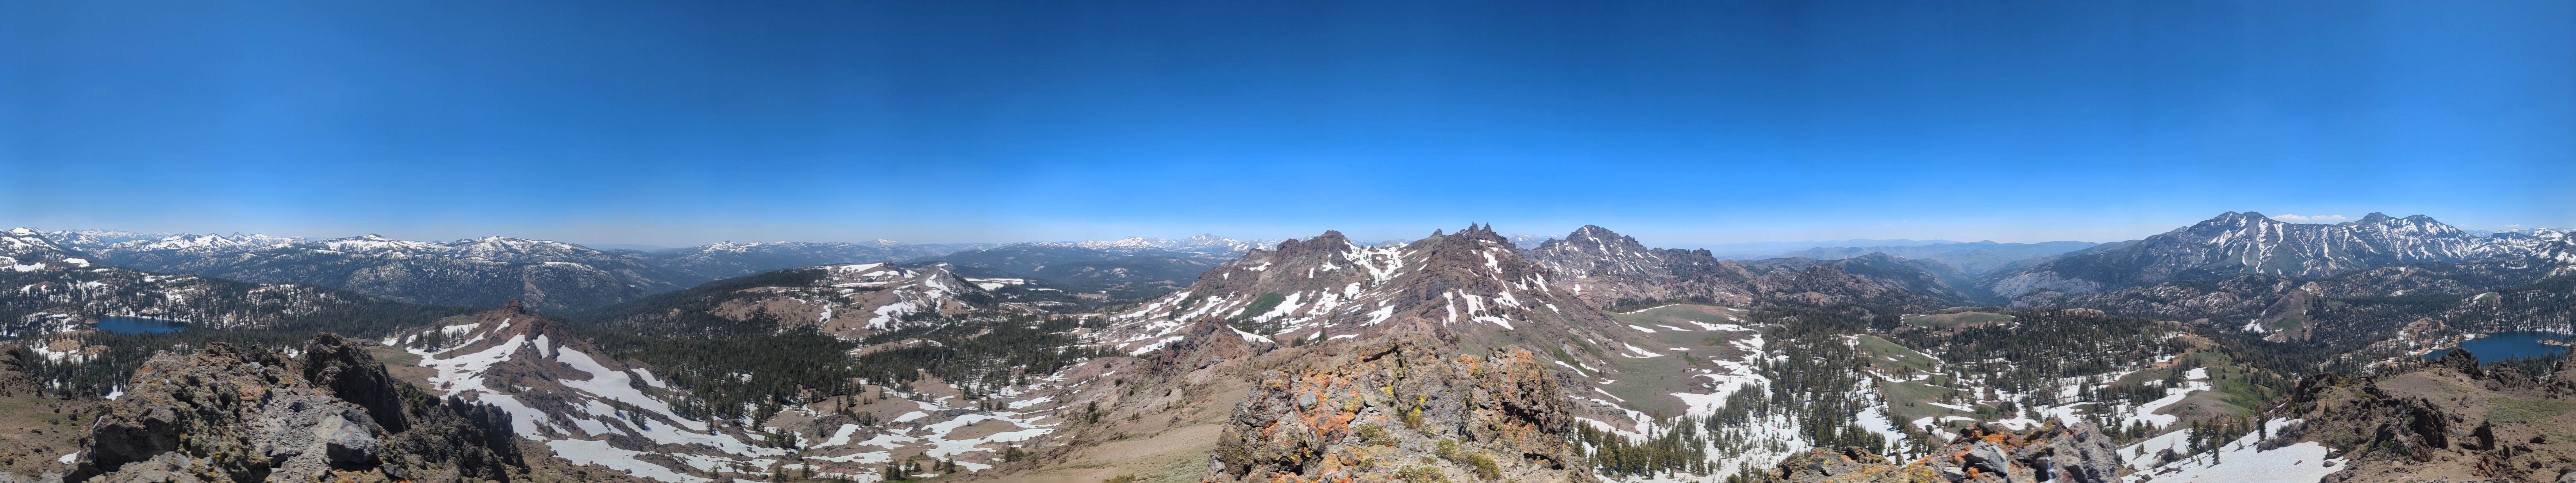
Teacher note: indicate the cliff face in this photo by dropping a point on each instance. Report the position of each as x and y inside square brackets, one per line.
[2077, 454]
[1403, 410]
[230, 413]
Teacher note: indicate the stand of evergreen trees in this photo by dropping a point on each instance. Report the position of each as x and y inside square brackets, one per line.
[285, 324]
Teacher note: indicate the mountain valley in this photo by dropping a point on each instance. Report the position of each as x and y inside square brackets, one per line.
[2234, 347]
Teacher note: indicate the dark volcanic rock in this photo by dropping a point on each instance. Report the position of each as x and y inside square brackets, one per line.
[347, 372]
[2461, 360]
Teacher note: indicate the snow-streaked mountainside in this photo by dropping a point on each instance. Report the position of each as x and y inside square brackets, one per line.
[1201, 244]
[1606, 269]
[728, 259]
[491, 248]
[850, 301]
[1472, 286]
[24, 250]
[2249, 243]
[69, 295]
[575, 401]
[476, 272]
[90, 240]
[553, 275]
[559, 392]
[191, 245]
[1602, 268]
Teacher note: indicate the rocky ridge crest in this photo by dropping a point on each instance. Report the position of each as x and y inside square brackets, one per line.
[1982, 454]
[1402, 409]
[230, 413]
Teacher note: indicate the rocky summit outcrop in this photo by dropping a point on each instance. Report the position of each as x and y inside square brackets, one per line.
[232, 413]
[2451, 419]
[1985, 453]
[1402, 410]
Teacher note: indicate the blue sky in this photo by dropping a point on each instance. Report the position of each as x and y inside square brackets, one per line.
[1685, 123]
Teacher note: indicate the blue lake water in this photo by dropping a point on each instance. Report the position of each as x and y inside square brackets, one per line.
[2508, 345]
[130, 325]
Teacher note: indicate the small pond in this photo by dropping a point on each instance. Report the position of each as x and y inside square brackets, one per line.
[132, 325]
[2508, 345]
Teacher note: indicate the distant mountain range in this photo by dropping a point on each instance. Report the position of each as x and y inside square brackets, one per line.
[1972, 259]
[2237, 243]
[1465, 355]
[559, 276]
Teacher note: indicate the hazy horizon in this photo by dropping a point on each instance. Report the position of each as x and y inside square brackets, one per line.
[1742, 246]
[679, 123]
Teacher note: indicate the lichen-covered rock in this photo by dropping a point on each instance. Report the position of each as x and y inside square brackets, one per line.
[2371, 421]
[1402, 410]
[245, 414]
[345, 371]
[1851, 464]
[1982, 454]
[241, 410]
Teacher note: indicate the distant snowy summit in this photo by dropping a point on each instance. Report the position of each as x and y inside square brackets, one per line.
[555, 275]
[1203, 244]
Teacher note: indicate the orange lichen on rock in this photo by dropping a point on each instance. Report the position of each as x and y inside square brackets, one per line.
[1301, 422]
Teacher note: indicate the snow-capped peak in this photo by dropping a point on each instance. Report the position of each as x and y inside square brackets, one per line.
[1206, 244]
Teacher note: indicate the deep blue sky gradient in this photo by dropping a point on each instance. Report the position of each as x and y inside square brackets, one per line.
[1684, 123]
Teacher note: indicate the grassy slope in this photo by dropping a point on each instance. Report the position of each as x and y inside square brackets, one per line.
[1647, 384]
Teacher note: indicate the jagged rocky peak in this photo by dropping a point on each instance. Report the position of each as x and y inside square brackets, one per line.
[1603, 239]
[1469, 285]
[1602, 268]
[233, 413]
